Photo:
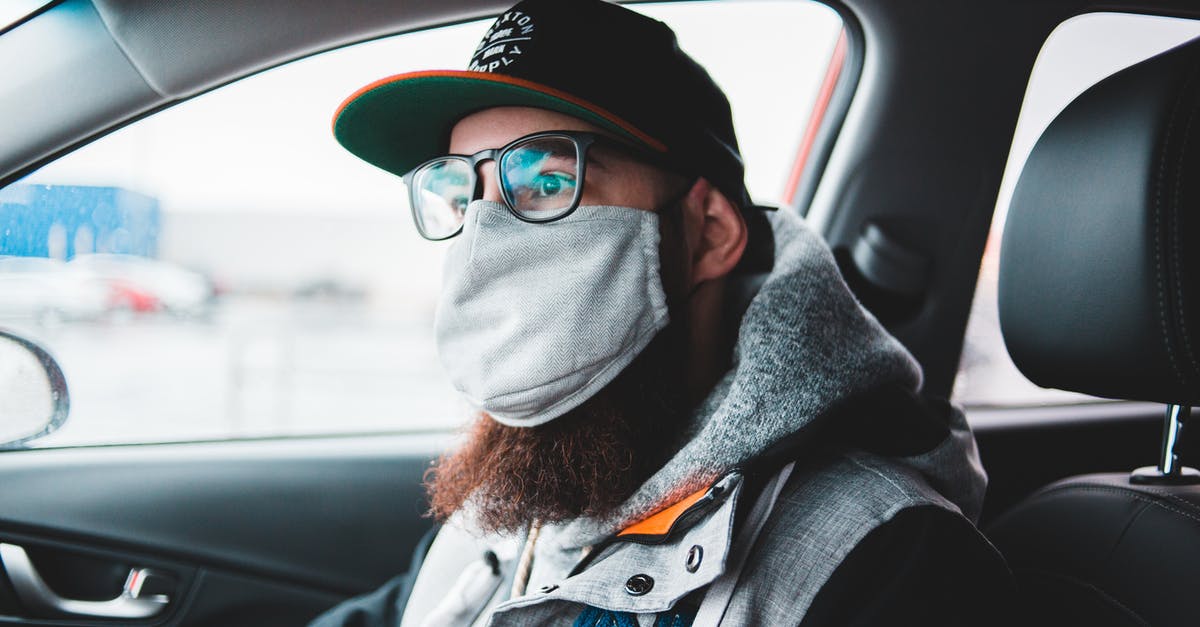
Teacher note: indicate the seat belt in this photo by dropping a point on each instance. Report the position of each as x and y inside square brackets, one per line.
[720, 592]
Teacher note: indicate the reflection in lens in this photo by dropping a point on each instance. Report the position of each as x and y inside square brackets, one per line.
[442, 193]
[541, 177]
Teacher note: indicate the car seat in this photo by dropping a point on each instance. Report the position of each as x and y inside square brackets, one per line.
[1099, 294]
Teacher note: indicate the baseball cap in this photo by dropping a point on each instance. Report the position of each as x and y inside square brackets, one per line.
[590, 59]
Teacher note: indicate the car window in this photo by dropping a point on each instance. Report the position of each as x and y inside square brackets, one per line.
[1078, 54]
[13, 11]
[223, 269]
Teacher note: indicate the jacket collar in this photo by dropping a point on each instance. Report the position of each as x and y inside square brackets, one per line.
[660, 526]
[677, 552]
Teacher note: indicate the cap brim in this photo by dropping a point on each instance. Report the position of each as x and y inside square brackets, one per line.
[398, 122]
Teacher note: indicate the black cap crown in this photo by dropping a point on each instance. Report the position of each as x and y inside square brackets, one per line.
[590, 59]
[628, 64]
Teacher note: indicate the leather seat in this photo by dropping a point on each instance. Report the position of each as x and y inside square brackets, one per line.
[1099, 293]
[1096, 550]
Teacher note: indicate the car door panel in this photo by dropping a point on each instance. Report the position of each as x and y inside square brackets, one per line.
[196, 596]
[246, 528]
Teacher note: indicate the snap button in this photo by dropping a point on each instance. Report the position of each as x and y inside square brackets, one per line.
[547, 589]
[638, 585]
[694, 557]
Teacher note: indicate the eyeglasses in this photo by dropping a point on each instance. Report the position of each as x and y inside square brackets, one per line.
[541, 180]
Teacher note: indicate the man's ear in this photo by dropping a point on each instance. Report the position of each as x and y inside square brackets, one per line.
[715, 230]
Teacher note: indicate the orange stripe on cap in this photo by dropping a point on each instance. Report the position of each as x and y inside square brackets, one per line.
[660, 523]
[507, 80]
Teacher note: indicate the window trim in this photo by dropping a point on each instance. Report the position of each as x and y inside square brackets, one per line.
[810, 173]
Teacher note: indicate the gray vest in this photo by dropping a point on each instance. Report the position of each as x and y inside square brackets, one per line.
[805, 347]
[827, 506]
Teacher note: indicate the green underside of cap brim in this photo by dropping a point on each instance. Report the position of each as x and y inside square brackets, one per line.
[399, 125]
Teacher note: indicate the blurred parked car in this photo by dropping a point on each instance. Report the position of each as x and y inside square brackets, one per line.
[145, 284]
[48, 290]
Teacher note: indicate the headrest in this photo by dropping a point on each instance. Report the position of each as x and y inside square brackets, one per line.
[1100, 262]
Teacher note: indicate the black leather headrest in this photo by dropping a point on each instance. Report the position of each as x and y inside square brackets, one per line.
[1100, 262]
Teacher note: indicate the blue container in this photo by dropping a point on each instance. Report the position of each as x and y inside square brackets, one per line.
[67, 220]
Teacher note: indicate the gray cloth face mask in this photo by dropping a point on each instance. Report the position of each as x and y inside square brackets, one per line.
[534, 319]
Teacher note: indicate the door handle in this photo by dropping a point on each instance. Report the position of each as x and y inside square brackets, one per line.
[32, 591]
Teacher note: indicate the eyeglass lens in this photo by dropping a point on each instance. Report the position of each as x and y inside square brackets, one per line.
[539, 179]
[443, 190]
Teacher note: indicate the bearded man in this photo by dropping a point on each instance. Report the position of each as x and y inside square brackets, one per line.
[685, 417]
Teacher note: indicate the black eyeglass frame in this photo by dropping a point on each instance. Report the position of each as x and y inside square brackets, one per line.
[583, 140]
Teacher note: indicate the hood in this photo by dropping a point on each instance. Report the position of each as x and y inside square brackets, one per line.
[806, 355]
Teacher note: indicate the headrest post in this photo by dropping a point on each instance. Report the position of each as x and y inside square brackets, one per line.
[1177, 417]
[1169, 470]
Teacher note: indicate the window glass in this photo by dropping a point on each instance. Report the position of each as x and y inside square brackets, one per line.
[1078, 54]
[13, 11]
[224, 269]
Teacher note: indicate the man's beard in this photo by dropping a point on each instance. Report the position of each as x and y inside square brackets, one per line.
[585, 463]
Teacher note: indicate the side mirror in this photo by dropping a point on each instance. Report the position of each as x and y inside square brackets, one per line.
[33, 392]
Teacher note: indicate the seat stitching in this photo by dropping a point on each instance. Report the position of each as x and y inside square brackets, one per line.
[1110, 488]
[1131, 494]
[1176, 236]
[1149, 489]
[1157, 238]
[1119, 488]
[1132, 614]
[1167, 495]
[1125, 531]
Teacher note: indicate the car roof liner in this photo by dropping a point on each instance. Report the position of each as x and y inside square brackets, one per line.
[185, 48]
